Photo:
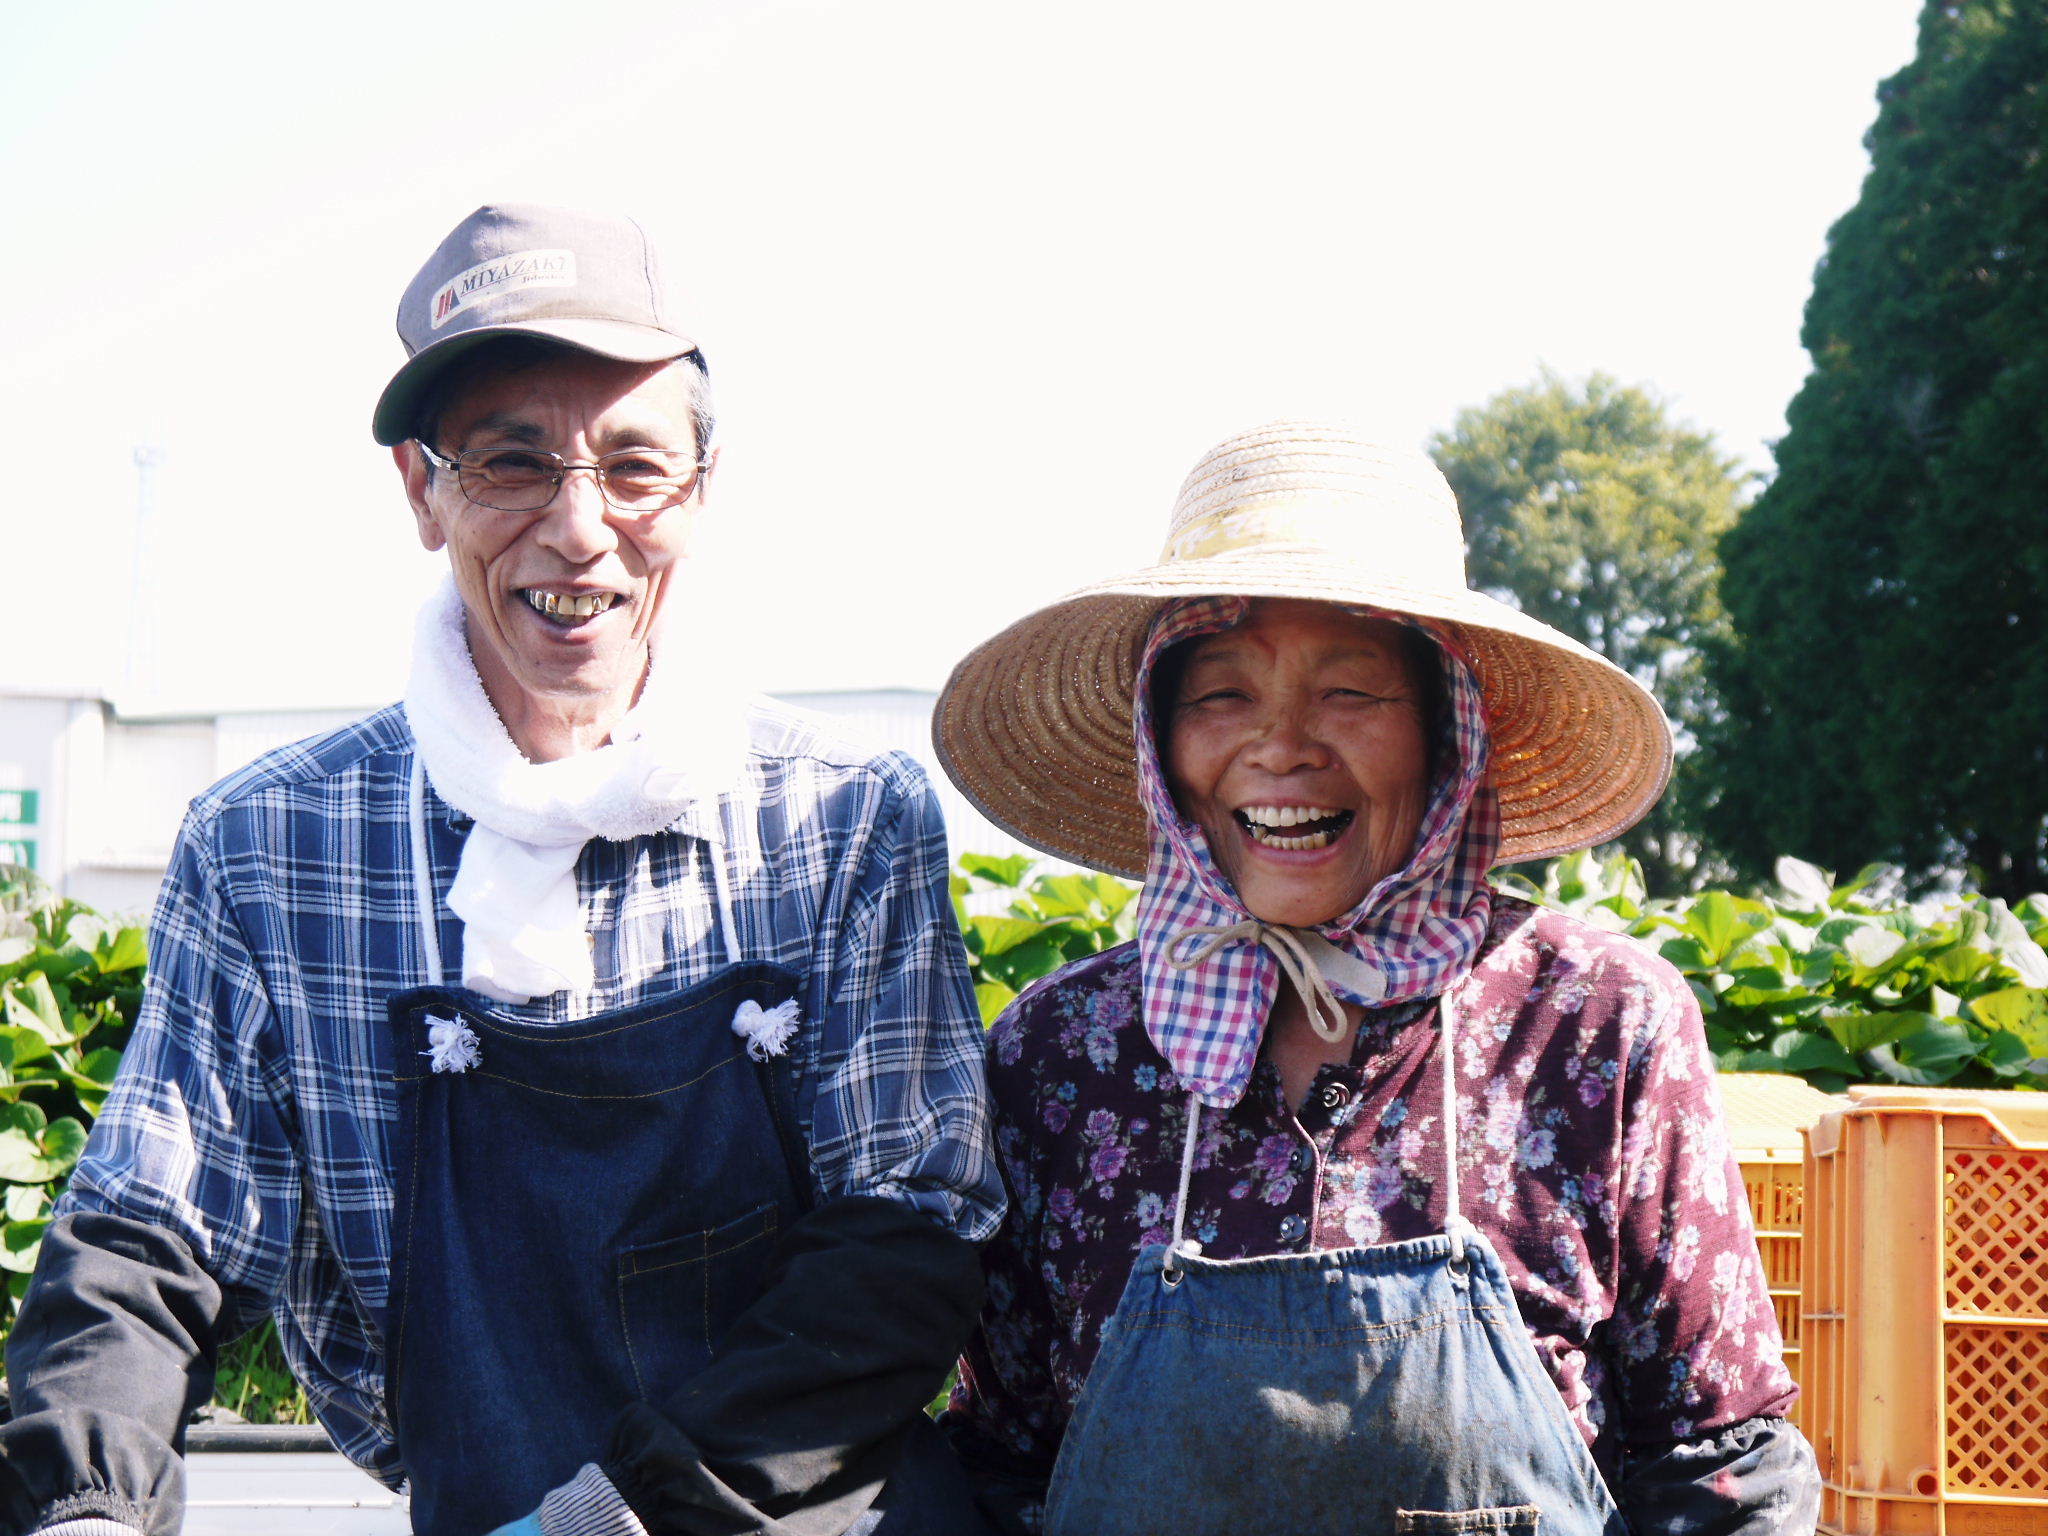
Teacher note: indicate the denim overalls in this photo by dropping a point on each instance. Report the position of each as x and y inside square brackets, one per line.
[1360, 1391]
[581, 1211]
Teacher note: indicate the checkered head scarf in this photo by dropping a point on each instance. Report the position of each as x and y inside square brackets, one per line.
[1413, 936]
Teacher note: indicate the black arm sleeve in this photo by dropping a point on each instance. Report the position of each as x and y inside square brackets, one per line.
[113, 1349]
[1756, 1478]
[796, 1422]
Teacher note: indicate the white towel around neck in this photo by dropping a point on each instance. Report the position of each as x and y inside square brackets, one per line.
[515, 887]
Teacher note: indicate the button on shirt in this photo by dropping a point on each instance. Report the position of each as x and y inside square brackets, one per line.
[254, 1110]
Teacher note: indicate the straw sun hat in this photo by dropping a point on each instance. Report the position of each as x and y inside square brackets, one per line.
[1034, 725]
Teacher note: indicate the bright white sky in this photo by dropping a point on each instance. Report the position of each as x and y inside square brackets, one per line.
[978, 283]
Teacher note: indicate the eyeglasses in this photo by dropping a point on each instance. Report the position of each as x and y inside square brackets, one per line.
[527, 479]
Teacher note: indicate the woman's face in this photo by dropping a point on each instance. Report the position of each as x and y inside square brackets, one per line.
[1297, 742]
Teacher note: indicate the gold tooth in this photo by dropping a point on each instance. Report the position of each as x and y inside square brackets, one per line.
[575, 605]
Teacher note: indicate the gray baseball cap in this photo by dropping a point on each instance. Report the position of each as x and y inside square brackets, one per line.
[585, 279]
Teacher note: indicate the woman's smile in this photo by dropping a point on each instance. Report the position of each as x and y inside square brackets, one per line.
[1293, 828]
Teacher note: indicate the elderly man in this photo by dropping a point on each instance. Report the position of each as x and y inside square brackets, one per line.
[578, 1059]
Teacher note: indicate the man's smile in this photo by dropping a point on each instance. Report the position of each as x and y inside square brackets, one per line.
[569, 608]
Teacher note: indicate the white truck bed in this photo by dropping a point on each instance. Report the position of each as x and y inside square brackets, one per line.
[287, 1493]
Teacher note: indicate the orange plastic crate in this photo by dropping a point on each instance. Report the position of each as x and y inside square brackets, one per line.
[1926, 1313]
[1768, 1114]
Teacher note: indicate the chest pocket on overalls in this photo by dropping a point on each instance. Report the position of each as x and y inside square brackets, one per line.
[678, 1297]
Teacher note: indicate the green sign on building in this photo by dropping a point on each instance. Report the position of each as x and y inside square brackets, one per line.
[18, 850]
[17, 807]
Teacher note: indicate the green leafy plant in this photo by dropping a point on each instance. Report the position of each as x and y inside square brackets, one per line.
[1836, 982]
[1833, 981]
[1045, 922]
[253, 1382]
[70, 984]
[70, 987]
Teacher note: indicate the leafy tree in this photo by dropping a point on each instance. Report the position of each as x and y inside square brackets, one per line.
[1589, 508]
[1887, 680]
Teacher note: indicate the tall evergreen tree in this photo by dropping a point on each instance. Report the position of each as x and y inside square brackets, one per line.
[1586, 506]
[1887, 682]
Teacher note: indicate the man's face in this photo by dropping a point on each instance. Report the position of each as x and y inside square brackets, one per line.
[515, 570]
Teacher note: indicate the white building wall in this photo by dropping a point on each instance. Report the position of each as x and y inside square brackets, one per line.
[240, 739]
[149, 772]
[110, 793]
[32, 747]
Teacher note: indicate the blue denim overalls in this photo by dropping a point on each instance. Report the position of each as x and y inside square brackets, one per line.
[581, 1211]
[1353, 1392]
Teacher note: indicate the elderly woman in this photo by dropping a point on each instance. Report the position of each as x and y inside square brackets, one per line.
[1355, 1195]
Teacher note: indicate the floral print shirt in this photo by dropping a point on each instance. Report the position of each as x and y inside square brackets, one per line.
[1591, 1153]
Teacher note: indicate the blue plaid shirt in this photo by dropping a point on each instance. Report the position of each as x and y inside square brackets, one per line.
[253, 1115]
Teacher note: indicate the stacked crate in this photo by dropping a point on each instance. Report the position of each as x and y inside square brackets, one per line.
[1926, 1313]
[1768, 1115]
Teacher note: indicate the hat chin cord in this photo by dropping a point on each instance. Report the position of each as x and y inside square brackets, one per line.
[1297, 964]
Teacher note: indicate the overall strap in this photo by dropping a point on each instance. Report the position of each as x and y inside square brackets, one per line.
[424, 908]
[1168, 1272]
[777, 1073]
[1445, 1037]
